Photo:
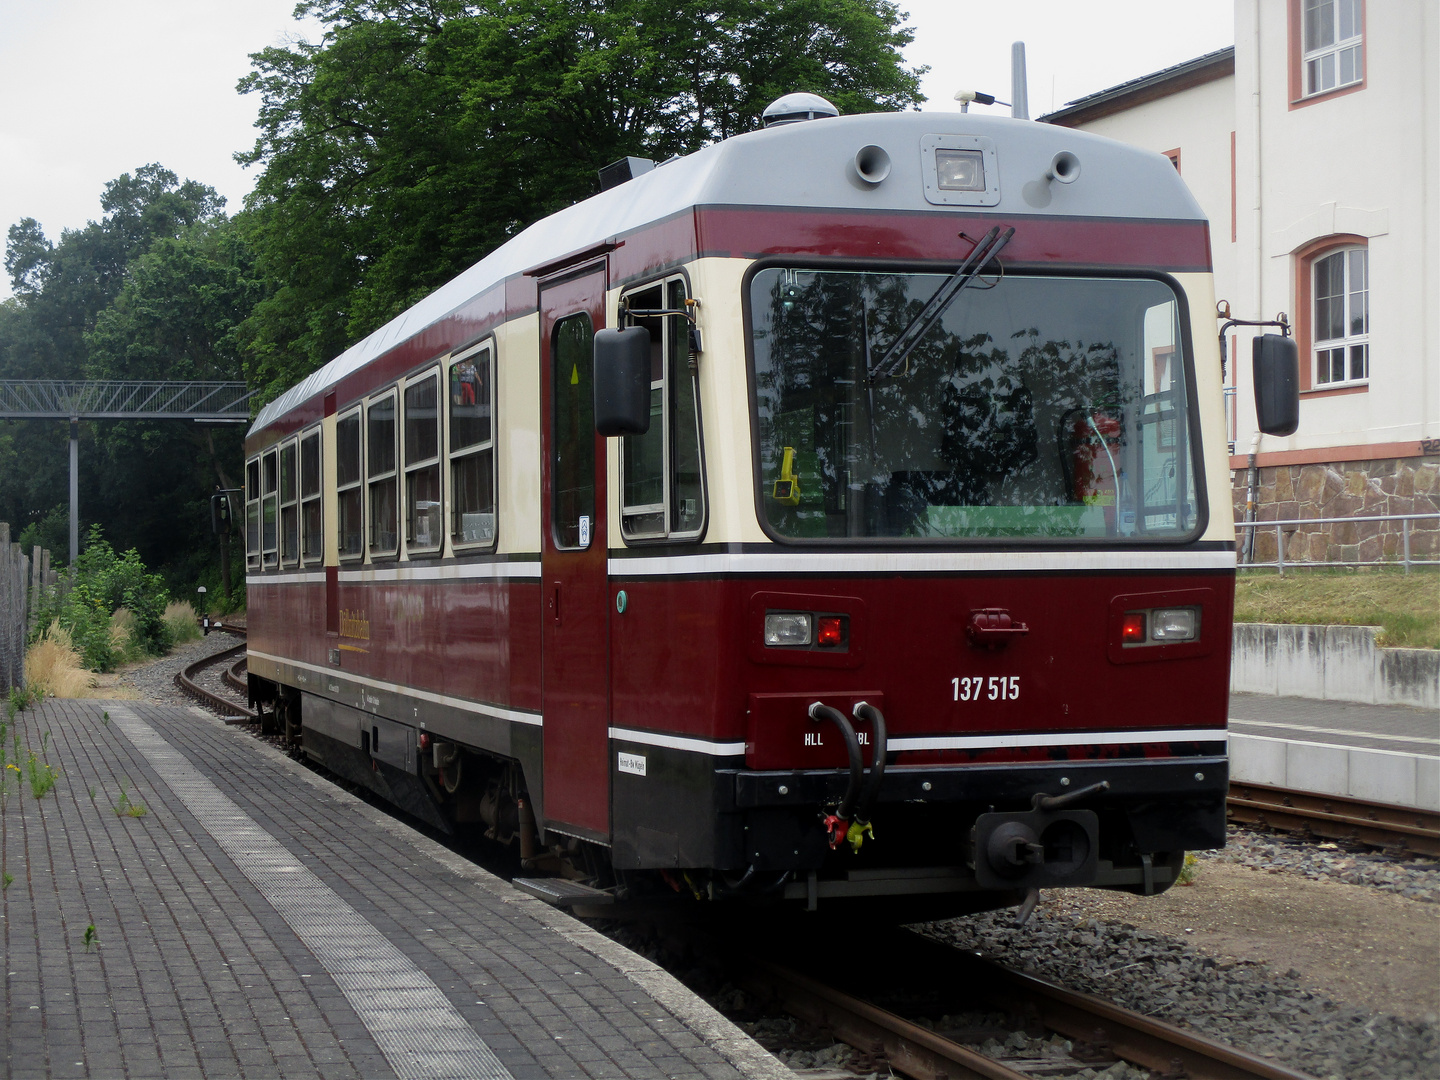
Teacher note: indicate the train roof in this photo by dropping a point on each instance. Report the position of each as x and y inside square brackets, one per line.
[806, 166]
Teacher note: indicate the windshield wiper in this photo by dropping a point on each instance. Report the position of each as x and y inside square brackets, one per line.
[988, 247]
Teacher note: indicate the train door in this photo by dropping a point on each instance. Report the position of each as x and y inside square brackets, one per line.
[575, 638]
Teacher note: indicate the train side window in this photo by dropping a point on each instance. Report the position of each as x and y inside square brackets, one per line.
[252, 514]
[348, 486]
[422, 464]
[269, 538]
[380, 475]
[289, 507]
[663, 488]
[572, 450]
[312, 518]
[472, 448]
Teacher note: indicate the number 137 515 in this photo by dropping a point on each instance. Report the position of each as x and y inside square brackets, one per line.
[986, 688]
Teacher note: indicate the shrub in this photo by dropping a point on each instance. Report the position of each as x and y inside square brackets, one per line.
[103, 583]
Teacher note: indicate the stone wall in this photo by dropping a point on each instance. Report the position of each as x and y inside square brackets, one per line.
[1346, 489]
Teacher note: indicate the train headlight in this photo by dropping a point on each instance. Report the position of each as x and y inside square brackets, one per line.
[960, 170]
[787, 628]
[1174, 624]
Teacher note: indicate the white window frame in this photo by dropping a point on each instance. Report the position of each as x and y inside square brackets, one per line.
[481, 350]
[1332, 55]
[413, 467]
[669, 364]
[288, 557]
[316, 497]
[252, 513]
[374, 480]
[358, 484]
[1349, 340]
[270, 496]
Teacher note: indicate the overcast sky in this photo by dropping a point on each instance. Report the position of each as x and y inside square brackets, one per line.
[90, 89]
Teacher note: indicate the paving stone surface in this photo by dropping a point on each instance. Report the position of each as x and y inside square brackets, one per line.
[195, 970]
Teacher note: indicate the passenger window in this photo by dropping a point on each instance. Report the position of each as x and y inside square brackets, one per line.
[472, 448]
[289, 508]
[348, 486]
[380, 475]
[422, 465]
[269, 469]
[252, 514]
[312, 538]
[662, 476]
[572, 450]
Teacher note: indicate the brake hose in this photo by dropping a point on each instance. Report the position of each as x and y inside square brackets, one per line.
[820, 711]
[865, 711]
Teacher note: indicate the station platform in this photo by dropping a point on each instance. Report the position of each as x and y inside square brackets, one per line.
[255, 920]
[1382, 753]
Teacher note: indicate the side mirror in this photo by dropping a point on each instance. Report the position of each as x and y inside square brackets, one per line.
[1277, 384]
[622, 381]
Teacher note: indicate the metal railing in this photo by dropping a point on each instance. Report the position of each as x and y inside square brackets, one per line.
[1294, 524]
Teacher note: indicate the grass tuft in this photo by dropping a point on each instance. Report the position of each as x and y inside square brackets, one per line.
[1405, 606]
[53, 668]
[184, 624]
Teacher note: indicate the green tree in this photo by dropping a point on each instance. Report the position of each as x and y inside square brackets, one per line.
[55, 326]
[175, 318]
[421, 134]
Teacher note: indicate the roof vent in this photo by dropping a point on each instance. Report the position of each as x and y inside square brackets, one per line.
[627, 168]
[792, 108]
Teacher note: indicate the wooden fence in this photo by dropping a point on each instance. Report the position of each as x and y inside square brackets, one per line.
[22, 578]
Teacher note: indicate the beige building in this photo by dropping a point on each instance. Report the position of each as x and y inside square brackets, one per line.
[1314, 147]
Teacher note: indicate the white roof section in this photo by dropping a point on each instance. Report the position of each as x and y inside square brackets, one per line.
[810, 166]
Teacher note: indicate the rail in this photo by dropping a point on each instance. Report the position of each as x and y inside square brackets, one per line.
[1406, 559]
[1336, 817]
[1100, 1030]
[185, 680]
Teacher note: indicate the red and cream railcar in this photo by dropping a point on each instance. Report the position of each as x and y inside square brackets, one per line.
[930, 526]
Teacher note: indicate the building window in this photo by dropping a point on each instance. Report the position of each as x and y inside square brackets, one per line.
[1333, 45]
[1174, 156]
[1340, 327]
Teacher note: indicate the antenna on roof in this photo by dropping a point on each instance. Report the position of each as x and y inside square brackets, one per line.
[1020, 110]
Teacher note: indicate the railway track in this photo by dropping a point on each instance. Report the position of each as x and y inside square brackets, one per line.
[185, 679]
[1336, 817]
[1099, 1031]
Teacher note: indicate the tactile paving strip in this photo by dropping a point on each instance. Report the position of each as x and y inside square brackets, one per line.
[417, 1029]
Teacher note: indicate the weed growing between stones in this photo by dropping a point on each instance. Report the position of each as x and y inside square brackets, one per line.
[126, 808]
[1188, 870]
[41, 773]
[90, 938]
[6, 880]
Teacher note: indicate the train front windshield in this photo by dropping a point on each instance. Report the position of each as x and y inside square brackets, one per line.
[1049, 408]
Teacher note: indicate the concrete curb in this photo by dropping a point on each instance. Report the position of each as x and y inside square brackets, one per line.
[1332, 663]
[1384, 776]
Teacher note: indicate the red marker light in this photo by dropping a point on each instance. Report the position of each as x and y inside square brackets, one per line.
[828, 630]
[1132, 627]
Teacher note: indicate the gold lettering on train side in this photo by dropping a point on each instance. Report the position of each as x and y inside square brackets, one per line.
[354, 624]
